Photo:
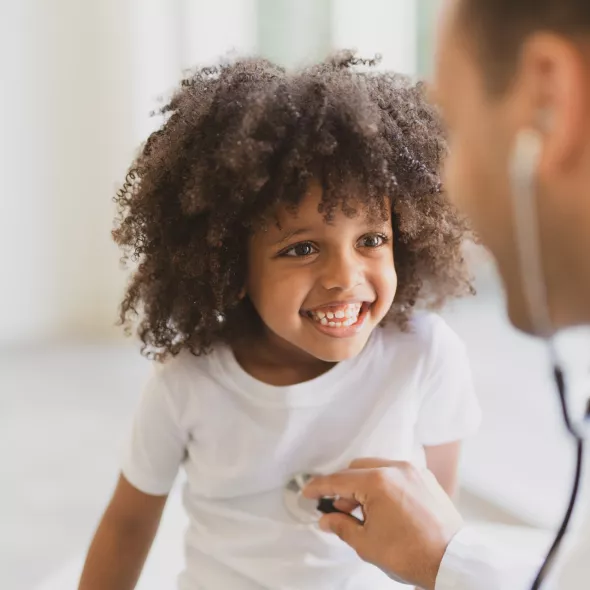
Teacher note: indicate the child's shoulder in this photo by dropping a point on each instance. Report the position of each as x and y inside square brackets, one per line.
[428, 346]
[184, 383]
[183, 372]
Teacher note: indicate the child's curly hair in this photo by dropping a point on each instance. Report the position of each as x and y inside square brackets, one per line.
[241, 139]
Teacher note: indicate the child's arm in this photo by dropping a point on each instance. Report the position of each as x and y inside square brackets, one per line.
[443, 461]
[123, 539]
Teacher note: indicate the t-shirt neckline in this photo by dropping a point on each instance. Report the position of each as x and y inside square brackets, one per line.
[314, 392]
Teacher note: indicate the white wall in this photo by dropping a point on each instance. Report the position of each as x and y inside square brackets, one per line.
[294, 33]
[79, 79]
[387, 27]
[68, 108]
[25, 254]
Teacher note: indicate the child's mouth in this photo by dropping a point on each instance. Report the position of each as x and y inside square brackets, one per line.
[337, 318]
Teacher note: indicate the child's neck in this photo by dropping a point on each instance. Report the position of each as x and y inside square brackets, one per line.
[277, 362]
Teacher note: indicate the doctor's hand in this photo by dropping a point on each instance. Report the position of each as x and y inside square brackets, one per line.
[408, 518]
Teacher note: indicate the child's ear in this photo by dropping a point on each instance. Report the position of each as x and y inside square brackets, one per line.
[242, 293]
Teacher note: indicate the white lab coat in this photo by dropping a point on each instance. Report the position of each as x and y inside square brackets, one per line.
[472, 562]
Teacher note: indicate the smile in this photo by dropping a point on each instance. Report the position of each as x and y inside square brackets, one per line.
[343, 319]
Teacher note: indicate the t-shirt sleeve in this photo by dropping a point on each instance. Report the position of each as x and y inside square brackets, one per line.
[157, 445]
[449, 411]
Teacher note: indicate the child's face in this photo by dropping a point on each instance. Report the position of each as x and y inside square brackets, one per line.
[322, 287]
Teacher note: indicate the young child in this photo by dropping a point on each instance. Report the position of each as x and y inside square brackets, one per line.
[286, 226]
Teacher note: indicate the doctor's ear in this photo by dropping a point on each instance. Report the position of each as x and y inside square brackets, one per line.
[554, 86]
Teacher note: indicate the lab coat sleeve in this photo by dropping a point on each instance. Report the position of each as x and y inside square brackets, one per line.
[474, 562]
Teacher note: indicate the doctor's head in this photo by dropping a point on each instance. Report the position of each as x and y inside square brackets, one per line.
[504, 68]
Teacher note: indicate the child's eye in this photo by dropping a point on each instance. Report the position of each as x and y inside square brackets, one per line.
[373, 241]
[300, 250]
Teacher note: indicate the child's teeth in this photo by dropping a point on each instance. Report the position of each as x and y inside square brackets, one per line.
[349, 314]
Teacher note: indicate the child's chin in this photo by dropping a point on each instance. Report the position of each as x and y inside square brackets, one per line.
[341, 352]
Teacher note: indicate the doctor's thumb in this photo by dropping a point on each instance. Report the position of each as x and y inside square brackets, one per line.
[348, 528]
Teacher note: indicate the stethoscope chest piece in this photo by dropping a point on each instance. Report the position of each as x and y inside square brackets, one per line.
[302, 509]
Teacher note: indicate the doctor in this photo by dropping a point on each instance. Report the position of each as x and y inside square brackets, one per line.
[513, 83]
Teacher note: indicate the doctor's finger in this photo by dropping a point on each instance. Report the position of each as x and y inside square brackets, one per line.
[348, 484]
[345, 505]
[348, 528]
[371, 463]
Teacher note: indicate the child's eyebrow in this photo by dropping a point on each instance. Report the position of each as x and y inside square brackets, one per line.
[291, 234]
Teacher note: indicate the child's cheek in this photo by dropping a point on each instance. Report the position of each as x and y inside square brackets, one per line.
[387, 288]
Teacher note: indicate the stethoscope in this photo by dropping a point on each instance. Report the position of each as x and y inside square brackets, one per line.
[524, 164]
[302, 509]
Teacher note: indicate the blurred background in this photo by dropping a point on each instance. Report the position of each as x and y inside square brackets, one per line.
[79, 80]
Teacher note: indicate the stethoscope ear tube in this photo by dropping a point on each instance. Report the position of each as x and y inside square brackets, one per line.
[524, 163]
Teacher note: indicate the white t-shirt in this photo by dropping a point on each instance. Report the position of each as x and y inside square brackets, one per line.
[240, 440]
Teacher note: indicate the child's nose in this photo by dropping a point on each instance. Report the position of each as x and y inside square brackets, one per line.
[341, 272]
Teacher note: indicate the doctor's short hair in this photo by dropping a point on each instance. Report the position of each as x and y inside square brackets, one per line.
[243, 138]
[500, 26]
